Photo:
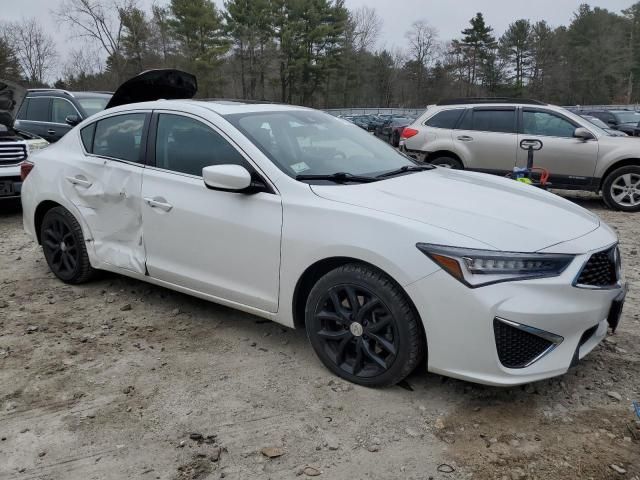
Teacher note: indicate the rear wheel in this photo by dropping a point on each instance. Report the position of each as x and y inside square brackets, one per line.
[621, 189]
[448, 162]
[362, 326]
[64, 247]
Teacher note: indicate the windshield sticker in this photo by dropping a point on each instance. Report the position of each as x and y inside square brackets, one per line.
[300, 167]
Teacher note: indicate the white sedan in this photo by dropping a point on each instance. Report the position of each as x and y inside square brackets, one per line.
[298, 217]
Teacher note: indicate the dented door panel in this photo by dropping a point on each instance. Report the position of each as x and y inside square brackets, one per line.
[108, 195]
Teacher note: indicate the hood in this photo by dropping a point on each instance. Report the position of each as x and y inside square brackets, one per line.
[503, 214]
[168, 84]
[11, 97]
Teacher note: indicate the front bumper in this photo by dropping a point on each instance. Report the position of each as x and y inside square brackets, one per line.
[10, 175]
[459, 323]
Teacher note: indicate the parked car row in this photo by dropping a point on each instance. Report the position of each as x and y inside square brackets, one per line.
[385, 126]
[31, 119]
[487, 135]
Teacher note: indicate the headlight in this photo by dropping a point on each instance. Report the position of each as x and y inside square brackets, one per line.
[476, 268]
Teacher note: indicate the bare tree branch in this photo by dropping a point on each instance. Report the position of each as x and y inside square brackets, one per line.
[34, 49]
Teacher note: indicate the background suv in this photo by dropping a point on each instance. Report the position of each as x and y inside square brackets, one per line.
[51, 113]
[485, 135]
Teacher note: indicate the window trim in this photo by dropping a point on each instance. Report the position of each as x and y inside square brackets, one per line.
[143, 140]
[470, 111]
[151, 148]
[549, 112]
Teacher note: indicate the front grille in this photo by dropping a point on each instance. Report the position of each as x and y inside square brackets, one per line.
[12, 153]
[518, 348]
[600, 270]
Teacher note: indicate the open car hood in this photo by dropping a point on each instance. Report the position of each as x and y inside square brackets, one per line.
[155, 85]
[11, 97]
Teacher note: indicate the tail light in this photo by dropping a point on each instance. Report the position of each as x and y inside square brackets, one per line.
[25, 169]
[409, 132]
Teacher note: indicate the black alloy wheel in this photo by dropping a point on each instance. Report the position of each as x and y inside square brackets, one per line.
[63, 246]
[362, 326]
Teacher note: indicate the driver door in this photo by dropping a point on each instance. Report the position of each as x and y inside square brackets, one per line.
[219, 243]
[570, 161]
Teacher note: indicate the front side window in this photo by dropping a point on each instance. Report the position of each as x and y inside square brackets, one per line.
[302, 142]
[61, 109]
[445, 119]
[186, 145]
[86, 134]
[38, 109]
[119, 137]
[546, 124]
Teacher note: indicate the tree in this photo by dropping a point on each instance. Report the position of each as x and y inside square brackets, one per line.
[367, 26]
[516, 48]
[9, 65]
[136, 37]
[542, 54]
[475, 46]
[34, 50]
[197, 27]
[422, 40]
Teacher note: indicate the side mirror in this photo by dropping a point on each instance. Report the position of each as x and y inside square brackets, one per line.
[228, 178]
[583, 134]
[73, 120]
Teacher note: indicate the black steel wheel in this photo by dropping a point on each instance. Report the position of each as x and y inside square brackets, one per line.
[362, 326]
[63, 246]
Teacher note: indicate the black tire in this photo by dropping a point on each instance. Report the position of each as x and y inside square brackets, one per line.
[376, 344]
[621, 189]
[64, 247]
[395, 141]
[448, 162]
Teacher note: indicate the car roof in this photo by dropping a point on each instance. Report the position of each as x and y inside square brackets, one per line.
[219, 106]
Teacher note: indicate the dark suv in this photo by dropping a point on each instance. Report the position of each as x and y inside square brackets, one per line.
[623, 120]
[51, 113]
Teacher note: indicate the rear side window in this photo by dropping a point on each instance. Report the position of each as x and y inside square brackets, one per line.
[186, 145]
[119, 137]
[487, 120]
[445, 119]
[86, 134]
[38, 109]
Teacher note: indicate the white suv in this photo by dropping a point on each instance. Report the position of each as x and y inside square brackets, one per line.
[485, 135]
[15, 145]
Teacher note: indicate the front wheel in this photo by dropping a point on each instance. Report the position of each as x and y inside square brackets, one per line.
[448, 162]
[621, 189]
[362, 326]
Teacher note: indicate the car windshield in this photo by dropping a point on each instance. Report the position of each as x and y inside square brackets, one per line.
[93, 105]
[306, 142]
[628, 117]
[597, 122]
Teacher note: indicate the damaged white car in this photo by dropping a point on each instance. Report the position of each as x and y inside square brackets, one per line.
[15, 145]
[296, 216]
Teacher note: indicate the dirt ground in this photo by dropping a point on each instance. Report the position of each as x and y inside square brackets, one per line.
[119, 379]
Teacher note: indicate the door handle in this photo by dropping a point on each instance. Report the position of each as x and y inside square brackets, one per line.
[153, 203]
[51, 131]
[465, 138]
[79, 181]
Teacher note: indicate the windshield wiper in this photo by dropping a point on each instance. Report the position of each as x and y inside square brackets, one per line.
[338, 177]
[406, 168]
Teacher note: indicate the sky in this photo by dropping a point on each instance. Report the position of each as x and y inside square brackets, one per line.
[447, 16]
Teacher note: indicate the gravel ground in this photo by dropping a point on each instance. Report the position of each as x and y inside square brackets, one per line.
[121, 379]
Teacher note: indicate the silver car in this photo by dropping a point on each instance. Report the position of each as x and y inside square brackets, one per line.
[486, 135]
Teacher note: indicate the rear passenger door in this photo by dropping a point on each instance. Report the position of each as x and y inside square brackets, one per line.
[104, 183]
[487, 140]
